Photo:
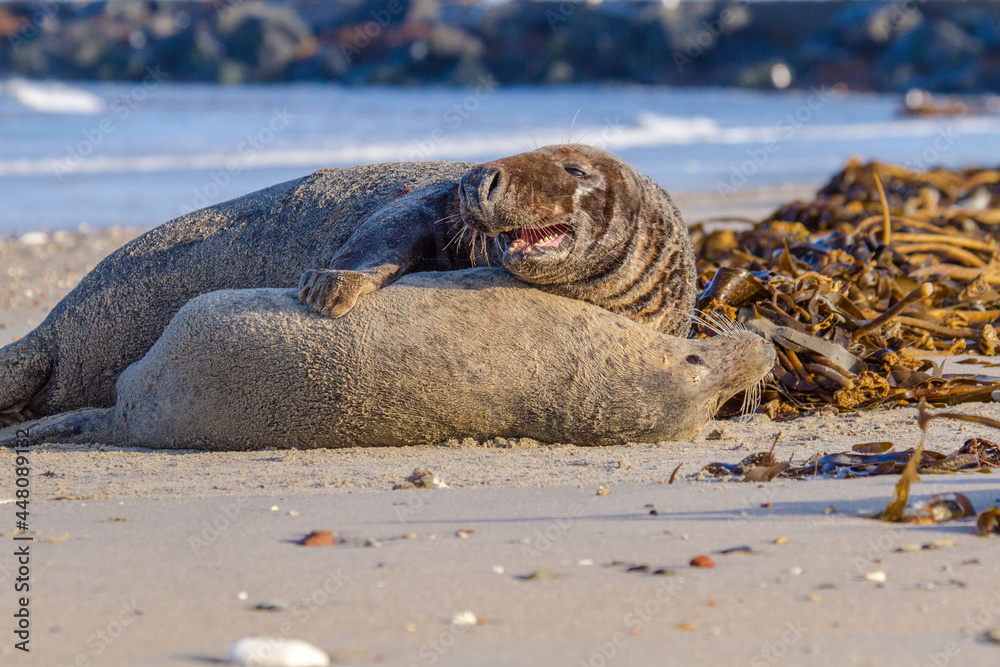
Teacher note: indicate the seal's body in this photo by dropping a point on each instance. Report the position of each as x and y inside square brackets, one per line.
[435, 356]
[573, 220]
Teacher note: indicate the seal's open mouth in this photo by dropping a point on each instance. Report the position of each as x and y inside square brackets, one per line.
[535, 240]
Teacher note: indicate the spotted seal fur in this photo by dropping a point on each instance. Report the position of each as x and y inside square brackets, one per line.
[437, 355]
[574, 220]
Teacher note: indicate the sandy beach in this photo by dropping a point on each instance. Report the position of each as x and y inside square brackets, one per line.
[145, 557]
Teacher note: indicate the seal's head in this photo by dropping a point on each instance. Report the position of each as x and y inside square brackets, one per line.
[696, 376]
[580, 222]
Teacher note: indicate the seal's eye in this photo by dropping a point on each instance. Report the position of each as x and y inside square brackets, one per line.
[694, 359]
[575, 172]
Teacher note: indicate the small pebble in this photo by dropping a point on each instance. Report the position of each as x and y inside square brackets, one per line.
[702, 561]
[464, 619]
[812, 648]
[687, 627]
[830, 510]
[34, 238]
[270, 652]
[781, 540]
[664, 572]
[242, 595]
[498, 569]
[939, 544]
[271, 605]
[464, 533]
[906, 548]
[409, 536]
[541, 575]
[878, 576]
[766, 505]
[374, 544]
[318, 538]
[585, 561]
[814, 597]
[411, 627]
[992, 635]
[292, 513]
[274, 508]
[795, 571]
[925, 585]
[603, 490]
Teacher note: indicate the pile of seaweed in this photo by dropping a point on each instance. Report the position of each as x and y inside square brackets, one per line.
[860, 288]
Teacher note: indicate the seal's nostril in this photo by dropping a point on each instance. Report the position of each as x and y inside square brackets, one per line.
[694, 359]
[494, 184]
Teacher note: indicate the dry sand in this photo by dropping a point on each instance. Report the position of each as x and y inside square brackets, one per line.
[159, 558]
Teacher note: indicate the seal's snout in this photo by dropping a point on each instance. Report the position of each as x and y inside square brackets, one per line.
[482, 189]
[492, 185]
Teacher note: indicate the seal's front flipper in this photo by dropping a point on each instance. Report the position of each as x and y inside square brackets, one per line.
[25, 367]
[334, 293]
[78, 427]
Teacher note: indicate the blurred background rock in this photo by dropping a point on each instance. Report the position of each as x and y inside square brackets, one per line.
[938, 45]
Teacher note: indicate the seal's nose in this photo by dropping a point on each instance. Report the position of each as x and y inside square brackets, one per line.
[482, 188]
[490, 184]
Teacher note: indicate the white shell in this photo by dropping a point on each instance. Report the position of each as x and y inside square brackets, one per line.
[276, 652]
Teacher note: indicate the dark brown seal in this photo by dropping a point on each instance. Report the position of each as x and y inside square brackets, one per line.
[435, 356]
[620, 244]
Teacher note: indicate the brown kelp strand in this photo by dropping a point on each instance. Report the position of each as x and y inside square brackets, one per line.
[884, 268]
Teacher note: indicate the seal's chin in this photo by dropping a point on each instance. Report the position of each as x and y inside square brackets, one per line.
[542, 242]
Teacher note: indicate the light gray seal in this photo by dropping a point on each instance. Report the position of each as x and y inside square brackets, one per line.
[573, 220]
[435, 356]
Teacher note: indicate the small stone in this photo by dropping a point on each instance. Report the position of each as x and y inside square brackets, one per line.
[373, 544]
[274, 508]
[541, 575]
[992, 635]
[664, 572]
[603, 490]
[766, 506]
[830, 510]
[411, 627]
[814, 597]
[498, 569]
[271, 605]
[702, 561]
[242, 595]
[464, 533]
[925, 585]
[34, 238]
[292, 513]
[781, 540]
[907, 548]
[585, 561]
[409, 536]
[795, 571]
[878, 576]
[939, 544]
[464, 619]
[687, 627]
[812, 648]
[624, 464]
[318, 538]
[276, 652]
